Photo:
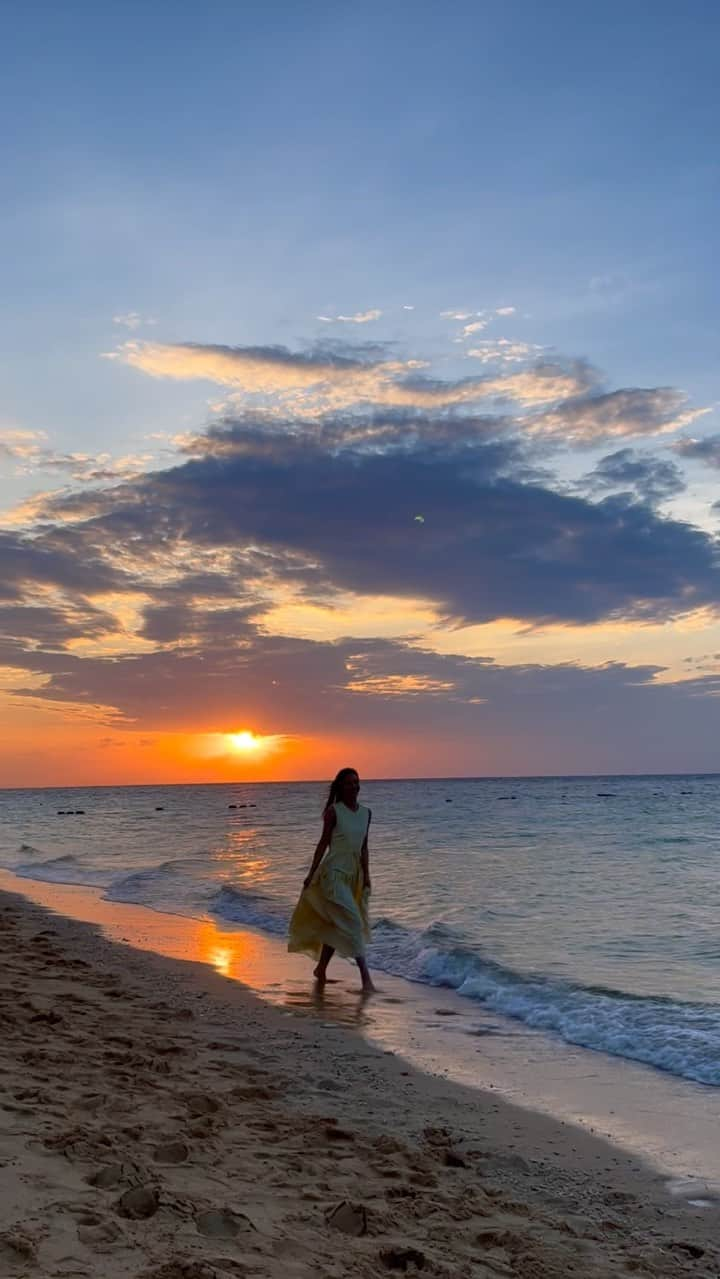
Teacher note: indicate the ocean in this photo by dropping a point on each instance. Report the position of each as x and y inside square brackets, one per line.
[587, 908]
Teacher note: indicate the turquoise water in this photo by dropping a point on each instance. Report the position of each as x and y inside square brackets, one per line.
[586, 907]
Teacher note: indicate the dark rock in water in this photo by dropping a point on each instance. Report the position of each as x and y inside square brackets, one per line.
[159, 808]
[232, 805]
[242, 805]
[686, 792]
[507, 796]
[252, 805]
[607, 794]
[61, 812]
[79, 812]
[448, 801]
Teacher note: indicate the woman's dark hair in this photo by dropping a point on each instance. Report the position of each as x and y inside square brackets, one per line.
[336, 786]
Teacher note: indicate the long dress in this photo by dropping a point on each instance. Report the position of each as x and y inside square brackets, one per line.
[333, 911]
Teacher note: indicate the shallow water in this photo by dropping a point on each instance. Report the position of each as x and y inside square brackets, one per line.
[586, 907]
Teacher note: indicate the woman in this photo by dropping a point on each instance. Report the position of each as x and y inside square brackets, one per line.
[332, 914]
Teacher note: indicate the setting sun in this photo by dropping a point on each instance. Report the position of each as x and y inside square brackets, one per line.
[245, 741]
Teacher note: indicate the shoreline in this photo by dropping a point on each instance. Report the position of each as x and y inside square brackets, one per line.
[322, 782]
[659, 1118]
[116, 1061]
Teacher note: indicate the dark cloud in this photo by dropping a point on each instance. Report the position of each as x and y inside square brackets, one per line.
[568, 717]
[336, 512]
[488, 545]
[42, 560]
[651, 479]
[707, 450]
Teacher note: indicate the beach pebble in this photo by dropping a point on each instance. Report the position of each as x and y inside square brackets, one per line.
[351, 1219]
[139, 1203]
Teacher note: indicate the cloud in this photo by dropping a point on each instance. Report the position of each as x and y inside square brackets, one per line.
[336, 512]
[706, 450]
[133, 320]
[21, 446]
[360, 317]
[506, 310]
[652, 479]
[503, 351]
[30, 453]
[523, 714]
[326, 380]
[633, 412]
[475, 326]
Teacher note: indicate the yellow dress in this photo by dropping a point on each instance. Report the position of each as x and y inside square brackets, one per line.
[333, 911]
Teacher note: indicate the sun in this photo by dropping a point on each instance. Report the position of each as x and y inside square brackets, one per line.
[245, 742]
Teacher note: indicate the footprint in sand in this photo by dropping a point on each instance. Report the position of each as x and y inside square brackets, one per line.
[180, 1269]
[200, 1105]
[96, 1232]
[222, 1223]
[171, 1152]
[139, 1203]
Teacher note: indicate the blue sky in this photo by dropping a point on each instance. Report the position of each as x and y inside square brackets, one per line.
[224, 175]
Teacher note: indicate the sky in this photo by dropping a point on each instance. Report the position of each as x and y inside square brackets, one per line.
[358, 390]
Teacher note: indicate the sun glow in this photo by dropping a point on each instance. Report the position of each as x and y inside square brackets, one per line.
[245, 742]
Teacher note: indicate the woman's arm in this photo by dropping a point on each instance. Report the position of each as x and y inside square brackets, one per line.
[323, 845]
[365, 858]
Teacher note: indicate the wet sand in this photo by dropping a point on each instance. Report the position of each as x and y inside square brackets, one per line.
[161, 1122]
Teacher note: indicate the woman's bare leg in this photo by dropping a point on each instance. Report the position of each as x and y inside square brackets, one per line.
[326, 955]
[367, 984]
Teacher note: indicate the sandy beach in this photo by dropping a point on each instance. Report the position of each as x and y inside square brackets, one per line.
[160, 1122]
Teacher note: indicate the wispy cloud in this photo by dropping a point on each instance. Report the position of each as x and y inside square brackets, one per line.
[504, 351]
[133, 320]
[325, 381]
[506, 310]
[21, 446]
[475, 326]
[29, 450]
[633, 411]
[360, 317]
